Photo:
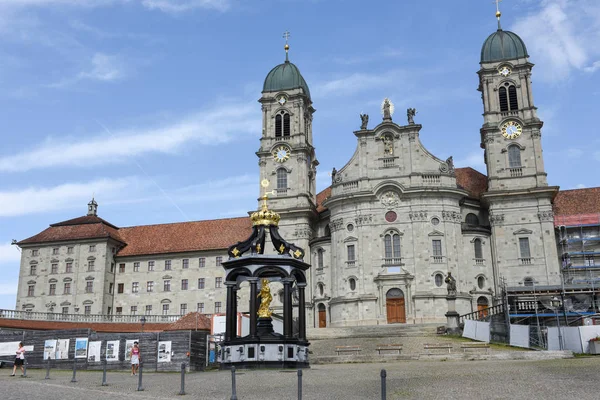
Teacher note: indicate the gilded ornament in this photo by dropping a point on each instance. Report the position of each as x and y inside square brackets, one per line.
[265, 300]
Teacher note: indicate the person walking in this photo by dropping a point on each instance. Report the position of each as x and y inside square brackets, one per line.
[136, 357]
[19, 359]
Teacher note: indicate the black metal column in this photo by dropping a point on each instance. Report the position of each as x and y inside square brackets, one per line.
[287, 308]
[234, 316]
[229, 312]
[301, 312]
[253, 304]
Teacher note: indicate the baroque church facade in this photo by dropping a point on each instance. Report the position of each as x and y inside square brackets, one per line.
[382, 239]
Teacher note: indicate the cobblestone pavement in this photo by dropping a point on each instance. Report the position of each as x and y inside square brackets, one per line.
[554, 379]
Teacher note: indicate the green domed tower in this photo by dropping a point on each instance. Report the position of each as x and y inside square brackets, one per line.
[286, 154]
[518, 194]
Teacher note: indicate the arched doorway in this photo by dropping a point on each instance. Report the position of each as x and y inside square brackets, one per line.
[322, 316]
[482, 305]
[394, 303]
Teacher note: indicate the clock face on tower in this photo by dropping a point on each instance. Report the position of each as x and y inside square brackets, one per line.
[281, 100]
[281, 154]
[511, 130]
[504, 71]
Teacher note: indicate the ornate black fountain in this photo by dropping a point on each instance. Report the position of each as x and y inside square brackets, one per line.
[263, 347]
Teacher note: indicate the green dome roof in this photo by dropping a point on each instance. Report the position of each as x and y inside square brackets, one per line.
[285, 76]
[503, 45]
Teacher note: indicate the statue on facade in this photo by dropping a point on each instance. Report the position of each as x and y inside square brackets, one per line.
[410, 115]
[387, 109]
[364, 121]
[333, 174]
[265, 300]
[388, 145]
[450, 163]
[451, 284]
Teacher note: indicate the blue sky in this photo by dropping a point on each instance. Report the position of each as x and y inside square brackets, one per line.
[151, 105]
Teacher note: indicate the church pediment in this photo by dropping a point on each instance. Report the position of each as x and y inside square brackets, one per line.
[436, 233]
[523, 232]
[350, 239]
[167, 277]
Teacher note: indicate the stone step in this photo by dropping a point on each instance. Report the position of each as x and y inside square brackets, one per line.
[396, 330]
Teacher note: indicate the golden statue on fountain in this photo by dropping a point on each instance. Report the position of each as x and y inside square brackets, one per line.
[265, 300]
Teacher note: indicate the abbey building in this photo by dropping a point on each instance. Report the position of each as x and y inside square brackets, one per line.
[381, 239]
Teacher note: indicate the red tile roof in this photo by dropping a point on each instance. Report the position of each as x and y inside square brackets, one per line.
[577, 207]
[88, 227]
[190, 322]
[321, 197]
[472, 181]
[184, 236]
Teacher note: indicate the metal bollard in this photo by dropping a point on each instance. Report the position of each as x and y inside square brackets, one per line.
[299, 384]
[233, 392]
[47, 369]
[25, 367]
[182, 390]
[73, 380]
[104, 373]
[140, 388]
[383, 388]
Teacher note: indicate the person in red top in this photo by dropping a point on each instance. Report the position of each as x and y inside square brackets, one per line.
[136, 357]
[19, 359]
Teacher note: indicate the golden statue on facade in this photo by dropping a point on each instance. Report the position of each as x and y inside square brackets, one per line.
[265, 300]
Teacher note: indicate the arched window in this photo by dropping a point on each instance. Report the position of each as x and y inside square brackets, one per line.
[512, 98]
[286, 124]
[282, 124]
[478, 249]
[439, 280]
[481, 282]
[352, 283]
[528, 281]
[514, 156]
[472, 220]
[278, 125]
[391, 242]
[320, 258]
[327, 231]
[321, 289]
[281, 178]
[503, 99]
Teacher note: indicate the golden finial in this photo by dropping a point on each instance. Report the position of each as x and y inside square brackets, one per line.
[265, 216]
[498, 13]
[286, 36]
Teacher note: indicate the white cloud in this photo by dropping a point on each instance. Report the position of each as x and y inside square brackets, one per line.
[102, 67]
[40, 200]
[177, 6]
[9, 254]
[581, 186]
[562, 36]
[219, 125]
[358, 82]
[170, 6]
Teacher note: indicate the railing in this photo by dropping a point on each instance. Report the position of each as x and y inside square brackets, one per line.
[281, 191]
[351, 263]
[525, 261]
[509, 113]
[350, 185]
[514, 172]
[479, 261]
[483, 313]
[47, 316]
[437, 259]
[388, 162]
[428, 179]
[392, 261]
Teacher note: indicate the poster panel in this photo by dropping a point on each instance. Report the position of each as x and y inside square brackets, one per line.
[9, 348]
[50, 349]
[81, 347]
[62, 349]
[164, 351]
[94, 351]
[128, 346]
[112, 350]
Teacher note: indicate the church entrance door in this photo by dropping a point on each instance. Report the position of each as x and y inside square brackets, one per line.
[482, 305]
[395, 307]
[322, 316]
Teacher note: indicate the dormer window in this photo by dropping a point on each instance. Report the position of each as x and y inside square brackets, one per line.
[508, 97]
[282, 124]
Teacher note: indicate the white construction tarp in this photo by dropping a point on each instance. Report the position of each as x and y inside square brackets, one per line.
[574, 338]
[519, 335]
[477, 330]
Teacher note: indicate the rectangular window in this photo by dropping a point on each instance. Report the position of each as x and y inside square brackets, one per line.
[89, 287]
[150, 286]
[65, 310]
[136, 267]
[52, 290]
[217, 307]
[112, 267]
[165, 309]
[111, 287]
[87, 310]
[55, 251]
[67, 289]
[183, 309]
[218, 282]
[150, 265]
[135, 287]
[524, 248]
[167, 265]
[200, 308]
[54, 269]
[148, 310]
[167, 285]
[92, 248]
[219, 260]
[119, 310]
[69, 267]
[34, 253]
[32, 269]
[200, 283]
[122, 268]
[133, 310]
[437, 247]
[120, 287]
[69, 251]
[589, 261]
[351, 253]
[184, 284]
[185, 263]
[91, 265]
[202, 262]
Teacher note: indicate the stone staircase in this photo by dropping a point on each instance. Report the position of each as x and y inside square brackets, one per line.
[372, 331]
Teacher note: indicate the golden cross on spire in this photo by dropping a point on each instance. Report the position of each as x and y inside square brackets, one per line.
[286, 36]
[265, 184]
[498, 13]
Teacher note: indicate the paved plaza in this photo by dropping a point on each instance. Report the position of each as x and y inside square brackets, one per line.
[554, 379]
